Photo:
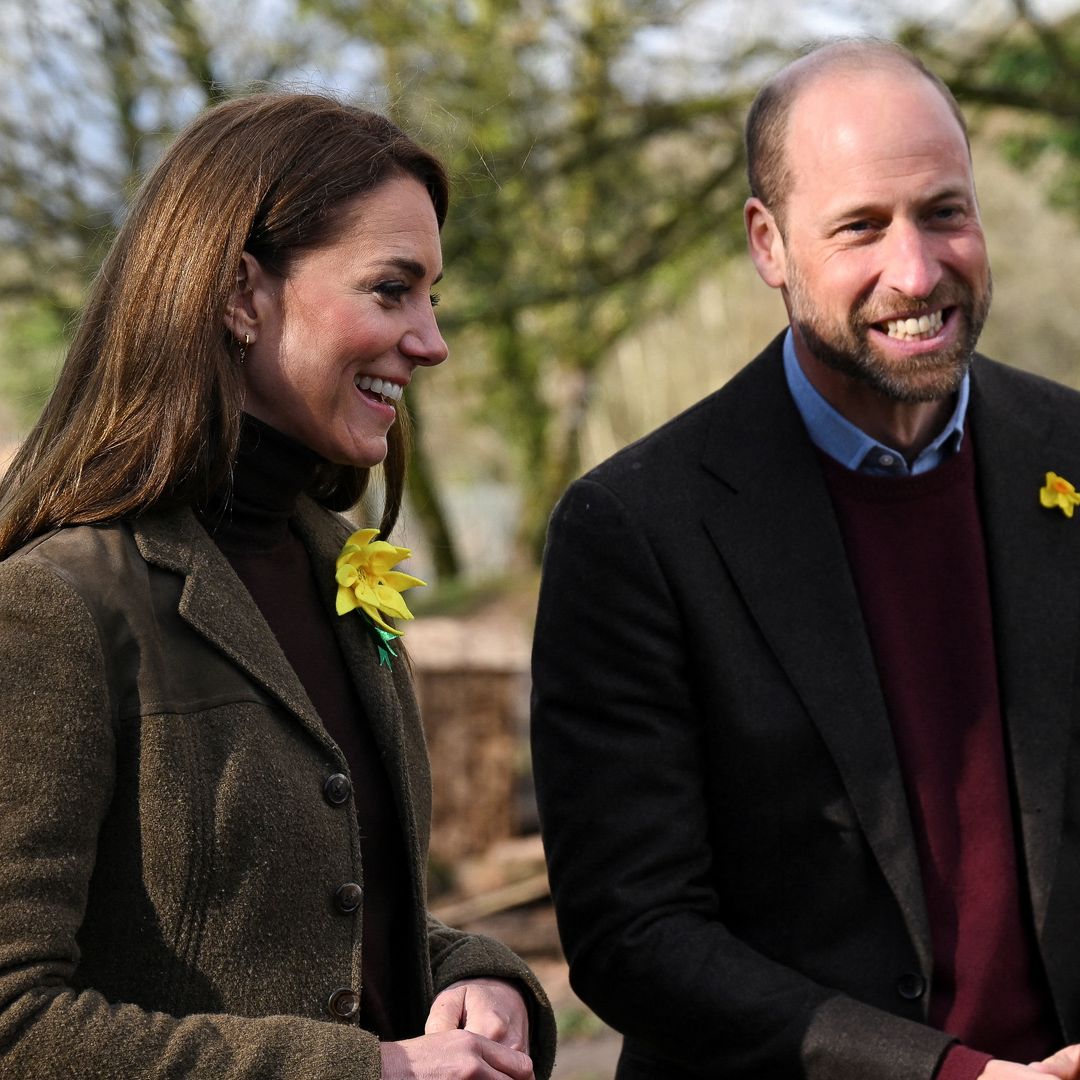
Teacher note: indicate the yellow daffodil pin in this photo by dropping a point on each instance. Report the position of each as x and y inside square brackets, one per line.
[1060, 493]
[367, 580]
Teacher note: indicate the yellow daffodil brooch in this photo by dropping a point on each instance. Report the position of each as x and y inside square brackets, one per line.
[1060, 493]
[367, 580]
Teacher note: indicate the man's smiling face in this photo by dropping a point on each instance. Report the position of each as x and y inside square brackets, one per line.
[886, 275]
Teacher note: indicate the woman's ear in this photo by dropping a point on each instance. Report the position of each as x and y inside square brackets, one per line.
[766, 243]
[246, 303]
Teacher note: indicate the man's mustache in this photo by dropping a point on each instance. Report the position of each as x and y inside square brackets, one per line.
[874, 309]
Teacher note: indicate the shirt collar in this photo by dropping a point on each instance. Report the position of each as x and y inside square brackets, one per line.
[838, 437]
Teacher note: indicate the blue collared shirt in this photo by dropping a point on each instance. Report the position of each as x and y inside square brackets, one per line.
[838, 437]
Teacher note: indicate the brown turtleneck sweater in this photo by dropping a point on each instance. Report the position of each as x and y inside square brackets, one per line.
[251, 526]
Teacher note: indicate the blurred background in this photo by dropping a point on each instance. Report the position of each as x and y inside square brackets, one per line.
[596, 282]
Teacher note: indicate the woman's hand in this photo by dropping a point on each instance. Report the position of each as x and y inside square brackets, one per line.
[493, 1008]
[477, 1029]
[453, 1055]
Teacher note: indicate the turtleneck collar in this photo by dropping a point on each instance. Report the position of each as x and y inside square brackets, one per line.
[271, 471]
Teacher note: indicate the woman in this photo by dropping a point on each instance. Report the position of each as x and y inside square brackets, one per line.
[214, 796]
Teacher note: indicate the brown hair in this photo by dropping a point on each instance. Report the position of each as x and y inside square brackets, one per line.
[766, 123]
[147, 408]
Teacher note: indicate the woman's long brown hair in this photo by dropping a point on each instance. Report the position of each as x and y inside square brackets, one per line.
[147, 408]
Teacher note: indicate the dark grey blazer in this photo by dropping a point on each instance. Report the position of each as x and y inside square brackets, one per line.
[730, 848]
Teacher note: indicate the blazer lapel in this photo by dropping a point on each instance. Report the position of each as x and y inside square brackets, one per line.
[324, 534]
[1034, 557]
[773, 524]
[215, 603]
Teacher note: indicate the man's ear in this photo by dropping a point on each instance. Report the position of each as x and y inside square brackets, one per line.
[252, 290]
[765, 243]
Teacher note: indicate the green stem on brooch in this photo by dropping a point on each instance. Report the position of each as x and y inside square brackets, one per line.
[383, 642]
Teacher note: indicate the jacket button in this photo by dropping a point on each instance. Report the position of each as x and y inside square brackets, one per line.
[337, 789]
[344, 1003]
[910, 986]
[348, 897]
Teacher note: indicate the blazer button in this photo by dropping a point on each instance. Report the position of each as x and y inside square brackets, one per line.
[910, 986]
[348, 897]
[337, 789]
[344, 1003]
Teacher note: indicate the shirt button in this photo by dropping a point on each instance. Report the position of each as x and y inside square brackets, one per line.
[910, 986]
[886, 460]
[348, 897]
[344, 1003]
[337, 789]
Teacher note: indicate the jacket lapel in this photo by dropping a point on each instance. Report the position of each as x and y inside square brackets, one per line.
[1034, 557]
[323, 535]
[773, 524]
[215, 603]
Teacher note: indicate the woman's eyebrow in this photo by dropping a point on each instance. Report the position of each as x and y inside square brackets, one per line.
[412, 267]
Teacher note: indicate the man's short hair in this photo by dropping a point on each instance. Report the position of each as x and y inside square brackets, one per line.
[767, 121]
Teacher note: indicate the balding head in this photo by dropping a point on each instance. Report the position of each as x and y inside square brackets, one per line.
[767, 161]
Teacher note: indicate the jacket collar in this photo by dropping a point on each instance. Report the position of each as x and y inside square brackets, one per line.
[215, 603]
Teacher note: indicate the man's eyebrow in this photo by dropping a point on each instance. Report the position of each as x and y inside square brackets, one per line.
[863, 210]
[870, 209]
[959, 192]
[413, 268]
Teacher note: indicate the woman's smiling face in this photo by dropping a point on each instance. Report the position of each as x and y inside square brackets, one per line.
[337, 340]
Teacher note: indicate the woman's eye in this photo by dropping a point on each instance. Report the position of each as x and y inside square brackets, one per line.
[391, 291]
[435, 298]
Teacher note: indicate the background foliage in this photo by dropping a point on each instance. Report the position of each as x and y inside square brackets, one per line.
[597, 160]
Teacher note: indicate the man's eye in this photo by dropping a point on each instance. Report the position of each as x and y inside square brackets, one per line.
[947, 213]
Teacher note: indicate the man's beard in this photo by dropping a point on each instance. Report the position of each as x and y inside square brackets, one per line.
[846, 347]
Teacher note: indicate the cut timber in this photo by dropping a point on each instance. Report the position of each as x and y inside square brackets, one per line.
[475, 750]
[463, 912]
[472, 678]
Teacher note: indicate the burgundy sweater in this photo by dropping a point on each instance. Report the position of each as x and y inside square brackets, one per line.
[253, 531]
[916, 551]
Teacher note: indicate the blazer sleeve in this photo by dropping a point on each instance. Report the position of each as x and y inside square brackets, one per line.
[57, 750]
[456, 955]
[622, 779]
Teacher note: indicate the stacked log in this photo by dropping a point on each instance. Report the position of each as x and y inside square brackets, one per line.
[473, 684]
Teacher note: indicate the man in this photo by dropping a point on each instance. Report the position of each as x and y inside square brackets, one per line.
[806, 732]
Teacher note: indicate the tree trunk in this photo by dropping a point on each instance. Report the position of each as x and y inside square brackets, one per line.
[426, 503]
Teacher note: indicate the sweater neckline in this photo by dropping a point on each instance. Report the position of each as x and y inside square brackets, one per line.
[955, 472]
[271, 472]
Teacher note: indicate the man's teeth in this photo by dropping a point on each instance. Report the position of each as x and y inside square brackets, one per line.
[915, 329]
[390, 391]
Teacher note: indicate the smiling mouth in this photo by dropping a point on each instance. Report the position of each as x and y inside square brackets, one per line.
[914, 328]
[390, 392]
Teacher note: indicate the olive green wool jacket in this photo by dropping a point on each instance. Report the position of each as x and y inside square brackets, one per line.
[169, 848]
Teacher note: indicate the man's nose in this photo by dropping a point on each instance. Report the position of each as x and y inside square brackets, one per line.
[911, 263]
